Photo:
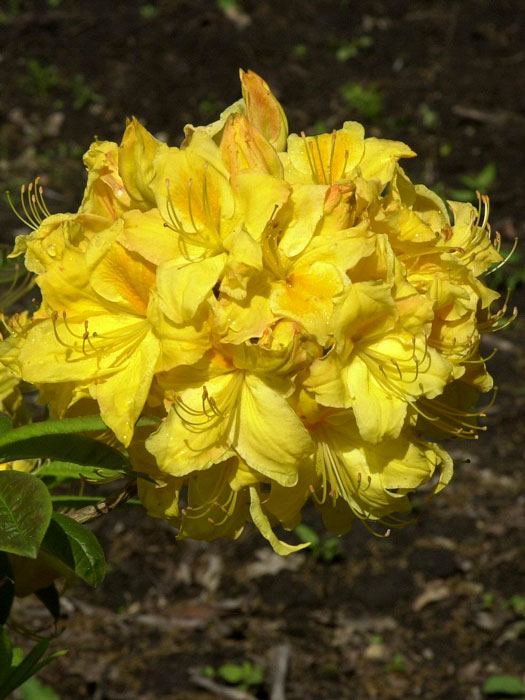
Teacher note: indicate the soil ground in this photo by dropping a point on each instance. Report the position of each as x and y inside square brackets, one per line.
[431, 611]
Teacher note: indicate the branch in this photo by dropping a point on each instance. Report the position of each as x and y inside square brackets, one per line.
[85, 515]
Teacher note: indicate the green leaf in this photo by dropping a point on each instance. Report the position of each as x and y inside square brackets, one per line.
[33, 689]
[20, 444]
[330, 549]
[242, 675]
[5, 424]
[232, 673]
[6, 655]
[510, 686]
[25, 669]
[48, 659]
[463, 195]
[25, 512]
[7, 588]
[81, 501]
[306, 534]
[254, 675]
[482, 180]
[70, 470]
[18, 656]
[78, 424]
[46, 440]
[76, 547]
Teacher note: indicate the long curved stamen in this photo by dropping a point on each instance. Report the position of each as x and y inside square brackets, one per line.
[54, 319]
[311, 161]
[205, 237]
[273, 258]
[450, 420]
[32, 203]
[321, 164]
[190, 206]
[41, 202]
[18, 288]
[27, 222]
[407, 369]
[505, 259]
[481, 360]
[336, 476]
[497, 321]
[331, 157]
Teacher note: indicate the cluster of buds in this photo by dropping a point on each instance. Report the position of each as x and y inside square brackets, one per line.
[303, 321]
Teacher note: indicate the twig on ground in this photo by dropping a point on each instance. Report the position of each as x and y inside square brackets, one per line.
[498, 118]
[222, 690]
[280, 657]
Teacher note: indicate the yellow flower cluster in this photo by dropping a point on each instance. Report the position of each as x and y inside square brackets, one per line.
[300, 317]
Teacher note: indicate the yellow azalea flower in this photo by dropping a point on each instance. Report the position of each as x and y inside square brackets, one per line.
[414, 217]
[219, 501]
[380, 158]
[298, 315]
[471, 236]
[373, 480]
[97, 328]
[380, 364]
[325, 159]
[214, 508]
[194, 197]
[310, 284]
[233, 413]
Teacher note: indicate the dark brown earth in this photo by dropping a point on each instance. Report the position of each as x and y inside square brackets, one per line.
[428, 612]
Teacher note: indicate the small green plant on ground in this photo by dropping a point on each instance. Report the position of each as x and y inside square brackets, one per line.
[327, 548]
[350, 49]
[397, 664]
[33, 689]
[82, 93]
[244, 675]
[319, 127]
[517, 605]
[12, 9]
[299, 51]
[445, 149]
[504, 686]
[481, 181]
[148, 11]
[429, 117]
[487, 601]
[210, 107]
[366, 101]
[40, 79]
[43, 81]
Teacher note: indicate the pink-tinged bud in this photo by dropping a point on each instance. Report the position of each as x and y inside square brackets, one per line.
[243, 147]
[135, 162]
[262, 109]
